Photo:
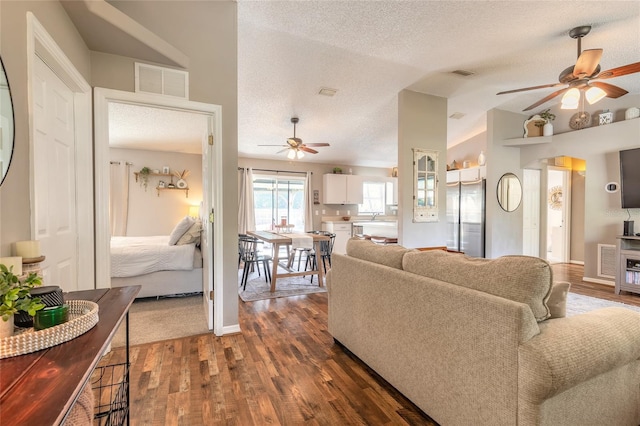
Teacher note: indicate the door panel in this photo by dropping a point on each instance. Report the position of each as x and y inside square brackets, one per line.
[54, 176]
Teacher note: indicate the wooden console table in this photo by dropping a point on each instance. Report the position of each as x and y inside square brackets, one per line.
[41, 387]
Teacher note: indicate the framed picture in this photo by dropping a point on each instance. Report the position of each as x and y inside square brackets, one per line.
[165, 170]
[161, 184]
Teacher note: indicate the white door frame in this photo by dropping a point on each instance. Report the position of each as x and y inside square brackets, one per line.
[566, 211]
[41, 44]
[102, 98]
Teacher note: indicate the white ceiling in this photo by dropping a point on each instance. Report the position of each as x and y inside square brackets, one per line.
[371, 50]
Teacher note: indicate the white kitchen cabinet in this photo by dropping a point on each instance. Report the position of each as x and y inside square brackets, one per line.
[342, 189]
[392, 191]
[343, 233]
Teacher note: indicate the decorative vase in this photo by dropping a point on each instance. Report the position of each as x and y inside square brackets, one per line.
[6, 327]
[547, 129]
[482, 160]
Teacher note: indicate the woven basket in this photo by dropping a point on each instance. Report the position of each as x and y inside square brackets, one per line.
[83, 315]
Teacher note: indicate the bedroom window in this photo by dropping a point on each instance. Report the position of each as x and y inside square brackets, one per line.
[276, 198]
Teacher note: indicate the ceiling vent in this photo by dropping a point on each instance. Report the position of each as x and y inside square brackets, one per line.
[463, 73]
[325, 91]
[457, 115]
[162, 81]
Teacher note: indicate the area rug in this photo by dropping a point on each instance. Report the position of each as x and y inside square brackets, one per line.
[258, 289]
[152, 320]
[579, 304]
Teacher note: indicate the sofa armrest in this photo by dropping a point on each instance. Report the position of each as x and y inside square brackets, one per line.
[569, 351]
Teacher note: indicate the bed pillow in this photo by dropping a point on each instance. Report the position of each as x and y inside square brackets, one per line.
[182, 227]
[192, 235]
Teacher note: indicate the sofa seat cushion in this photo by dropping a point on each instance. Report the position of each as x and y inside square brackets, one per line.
[522, 279]
[382, 254]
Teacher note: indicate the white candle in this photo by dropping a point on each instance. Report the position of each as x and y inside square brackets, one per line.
[27, 249]
[15, 261]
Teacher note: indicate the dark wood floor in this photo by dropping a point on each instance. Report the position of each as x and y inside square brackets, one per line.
[283, 369]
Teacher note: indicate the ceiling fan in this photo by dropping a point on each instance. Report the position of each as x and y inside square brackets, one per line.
[295, 147]
[582, 77]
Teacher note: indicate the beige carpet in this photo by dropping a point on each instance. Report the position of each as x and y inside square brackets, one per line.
[153, 320]
[258, 289]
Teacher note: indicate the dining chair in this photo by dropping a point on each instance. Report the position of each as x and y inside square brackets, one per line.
[326, 248]
[250, 255]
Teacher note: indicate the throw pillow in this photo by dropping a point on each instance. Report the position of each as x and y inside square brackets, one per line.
[192, 235]
[180, 229]
[557, 302]
[523, 279]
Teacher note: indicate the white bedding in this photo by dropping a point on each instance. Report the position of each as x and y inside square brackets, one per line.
[131, 256]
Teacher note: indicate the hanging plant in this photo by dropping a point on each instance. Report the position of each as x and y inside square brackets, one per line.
[143, 174]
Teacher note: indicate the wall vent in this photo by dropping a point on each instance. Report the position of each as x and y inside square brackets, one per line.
[607, 261]
[161, 81]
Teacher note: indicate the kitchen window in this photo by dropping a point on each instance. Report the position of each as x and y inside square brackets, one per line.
[373, 198]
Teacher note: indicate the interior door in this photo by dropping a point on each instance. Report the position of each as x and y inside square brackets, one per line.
[558, 214]
[54, 173]
[207, 216]
[531, 212]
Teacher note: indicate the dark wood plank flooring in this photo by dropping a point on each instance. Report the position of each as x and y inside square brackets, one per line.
[283, 369]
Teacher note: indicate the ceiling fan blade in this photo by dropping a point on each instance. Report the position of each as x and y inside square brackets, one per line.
[283, 150]
[547, 98]
[309, 150]
[587, 63]
[317, 144]
[544, 86]
[620, 71]
[612, 91]
[273, 145]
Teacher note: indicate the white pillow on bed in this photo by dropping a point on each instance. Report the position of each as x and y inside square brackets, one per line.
[182, 227]
[192, 235]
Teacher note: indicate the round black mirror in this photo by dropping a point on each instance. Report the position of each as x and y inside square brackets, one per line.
[509, 192]
[7, 124]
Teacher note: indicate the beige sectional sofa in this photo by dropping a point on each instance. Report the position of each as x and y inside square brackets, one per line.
[470, 341]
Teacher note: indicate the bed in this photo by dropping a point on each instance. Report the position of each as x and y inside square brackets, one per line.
[163, 265]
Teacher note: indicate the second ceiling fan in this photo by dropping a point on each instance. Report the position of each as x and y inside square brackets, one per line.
[582, 77]
[296, 147]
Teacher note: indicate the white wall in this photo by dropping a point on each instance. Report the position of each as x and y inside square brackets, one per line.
[152, 212]
[422, 123]
[599, 147]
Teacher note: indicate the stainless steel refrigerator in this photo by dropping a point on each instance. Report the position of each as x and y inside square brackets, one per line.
[466, 217]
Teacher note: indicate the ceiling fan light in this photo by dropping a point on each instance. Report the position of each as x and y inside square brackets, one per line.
[300, 154]
[570, 99]
[291, 154]
[594, 94]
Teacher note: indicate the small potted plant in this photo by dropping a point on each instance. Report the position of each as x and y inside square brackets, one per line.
[144, 176]
[337, 170]
[547, 126]
[15, 295]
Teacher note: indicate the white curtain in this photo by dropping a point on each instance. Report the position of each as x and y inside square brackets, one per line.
[308, 203]
[119, 198]
[246, 213]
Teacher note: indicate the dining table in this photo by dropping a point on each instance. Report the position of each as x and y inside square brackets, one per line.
[280, 240]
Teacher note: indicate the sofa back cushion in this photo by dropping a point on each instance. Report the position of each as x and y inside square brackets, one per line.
[390, 255]
[522, 279]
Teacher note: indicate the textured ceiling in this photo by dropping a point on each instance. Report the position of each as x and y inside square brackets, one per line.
[163, 129]
[371, 50]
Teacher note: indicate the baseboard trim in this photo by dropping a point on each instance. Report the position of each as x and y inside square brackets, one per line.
[230, 329]
[599, 281]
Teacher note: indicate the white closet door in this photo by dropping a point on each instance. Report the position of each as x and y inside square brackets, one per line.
[55, 178]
